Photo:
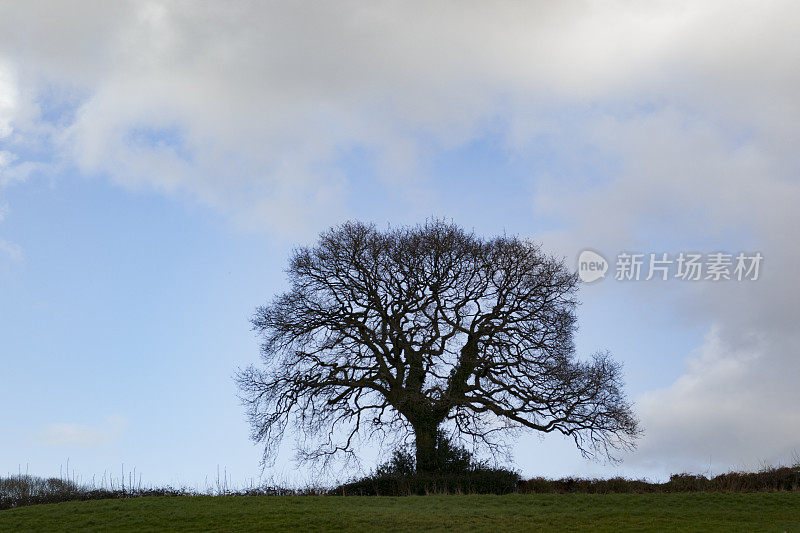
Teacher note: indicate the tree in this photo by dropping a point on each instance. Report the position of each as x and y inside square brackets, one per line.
[418, 328]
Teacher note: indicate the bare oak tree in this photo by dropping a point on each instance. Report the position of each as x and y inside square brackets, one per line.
[413, 329]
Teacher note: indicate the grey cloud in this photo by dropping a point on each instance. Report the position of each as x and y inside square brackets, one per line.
[685, 180]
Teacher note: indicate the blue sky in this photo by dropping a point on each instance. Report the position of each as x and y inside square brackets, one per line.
[159, 162]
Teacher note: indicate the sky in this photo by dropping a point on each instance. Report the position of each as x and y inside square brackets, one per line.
[160, 160]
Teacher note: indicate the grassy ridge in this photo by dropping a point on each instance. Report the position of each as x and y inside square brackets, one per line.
[778, 511]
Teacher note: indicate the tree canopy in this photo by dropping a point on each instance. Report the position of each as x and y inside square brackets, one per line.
[415, 329]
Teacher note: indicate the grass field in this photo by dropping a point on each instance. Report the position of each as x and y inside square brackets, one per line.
[777, 511]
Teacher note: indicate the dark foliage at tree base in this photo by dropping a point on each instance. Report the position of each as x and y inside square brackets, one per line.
[457, 472]
[483, 481]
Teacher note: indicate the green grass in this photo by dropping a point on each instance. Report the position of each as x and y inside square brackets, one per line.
[776, 511]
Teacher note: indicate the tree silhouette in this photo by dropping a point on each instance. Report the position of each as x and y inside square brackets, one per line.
[418, 328]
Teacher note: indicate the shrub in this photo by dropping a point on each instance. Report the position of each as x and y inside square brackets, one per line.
[586, 486]
[457, 473]
[769, 479]
[21, 490]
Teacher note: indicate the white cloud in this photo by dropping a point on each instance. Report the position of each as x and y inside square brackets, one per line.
[13, 251]
[6, 158]
[247, 108]
[83, 435]
[8, 100]
[9, 249]
[8, 108]
[732, 407]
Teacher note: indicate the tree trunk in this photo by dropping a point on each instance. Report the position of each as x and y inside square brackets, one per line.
[426, 448]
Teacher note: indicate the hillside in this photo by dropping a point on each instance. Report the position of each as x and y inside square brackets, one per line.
[779, 511]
